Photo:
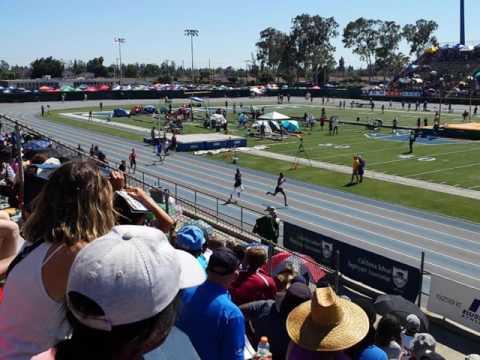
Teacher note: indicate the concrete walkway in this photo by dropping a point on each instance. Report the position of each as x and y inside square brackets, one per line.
[447, 189]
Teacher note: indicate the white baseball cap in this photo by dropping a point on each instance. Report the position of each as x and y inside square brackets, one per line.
[413, 322]
[47, 168]
[132, 273]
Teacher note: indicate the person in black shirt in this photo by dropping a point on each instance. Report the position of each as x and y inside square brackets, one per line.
[173, 143]
[394, 125]
[411, 139]
[268, 226]
[237, 188]
[279, 188]
[262, 130]
[123, 166]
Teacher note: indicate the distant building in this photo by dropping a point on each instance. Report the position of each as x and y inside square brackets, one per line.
[111, 81]
[94, 82]
[30, 84]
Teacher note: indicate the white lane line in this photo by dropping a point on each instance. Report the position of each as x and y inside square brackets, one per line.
[340, 214]
[257, 184]
[435, 155]
[115, 148]
[442, 170]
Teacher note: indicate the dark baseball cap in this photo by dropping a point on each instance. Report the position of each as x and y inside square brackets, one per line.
[296, 294]
[223, 261]
[300, 291]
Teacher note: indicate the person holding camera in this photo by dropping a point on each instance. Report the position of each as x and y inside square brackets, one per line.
[74, 208]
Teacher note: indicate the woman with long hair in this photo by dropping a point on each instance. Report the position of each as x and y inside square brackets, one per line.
[74, 208]
[122, 296]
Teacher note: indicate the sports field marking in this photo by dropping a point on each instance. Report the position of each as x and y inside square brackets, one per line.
[378, 110]
[362, 152]
[441, 170]
[282, 143]
[416, 157]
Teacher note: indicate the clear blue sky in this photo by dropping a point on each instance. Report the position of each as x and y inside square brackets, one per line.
[153, 29]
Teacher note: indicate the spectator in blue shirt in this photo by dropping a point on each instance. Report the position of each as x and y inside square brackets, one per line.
[215, 325]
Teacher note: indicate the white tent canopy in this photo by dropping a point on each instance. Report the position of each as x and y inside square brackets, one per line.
[258, 123]
[274, 116]
[218, 118]
[271, 126]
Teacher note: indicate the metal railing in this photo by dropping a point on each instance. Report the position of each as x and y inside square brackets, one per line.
[183, 194]
[238, 226]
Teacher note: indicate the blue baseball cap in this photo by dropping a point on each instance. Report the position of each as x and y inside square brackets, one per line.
[373, 352]
[191, 238]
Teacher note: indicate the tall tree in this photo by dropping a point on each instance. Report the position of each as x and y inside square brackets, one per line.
[288, 63]
[397, 63]
[46, 66]
[150, 70]
[131, 70]
[4, 66]
[420, 35]
[96, 67]
[20, 72]
[313, 36]
[78, 67]
[253, 71]
[362, 36]
[389, 36]
[5, 73]
[270, 48]
[341, 65]
[168, 71]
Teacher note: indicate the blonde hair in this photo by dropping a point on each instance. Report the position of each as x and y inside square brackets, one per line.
[75, 205]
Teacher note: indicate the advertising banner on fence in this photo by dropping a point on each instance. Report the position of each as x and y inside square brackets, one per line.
[455, 301]
[411, 93]
[376, 93]
[372, 269]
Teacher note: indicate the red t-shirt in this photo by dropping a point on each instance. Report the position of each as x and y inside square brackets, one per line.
[253, 286]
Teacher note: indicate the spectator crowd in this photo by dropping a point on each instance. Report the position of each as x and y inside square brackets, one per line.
[91, 274]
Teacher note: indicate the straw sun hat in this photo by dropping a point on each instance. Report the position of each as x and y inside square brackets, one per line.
[327, 322]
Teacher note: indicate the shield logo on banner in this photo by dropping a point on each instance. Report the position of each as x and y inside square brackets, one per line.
[327, 249]
[400, 277]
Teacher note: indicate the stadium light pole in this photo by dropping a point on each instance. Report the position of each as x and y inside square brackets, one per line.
[120, 41]
[192, 33]
[462, 22]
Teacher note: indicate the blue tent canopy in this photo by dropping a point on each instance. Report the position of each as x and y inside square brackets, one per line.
[36, 145]
[291, 126]
[120, 112]
[149, 109]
